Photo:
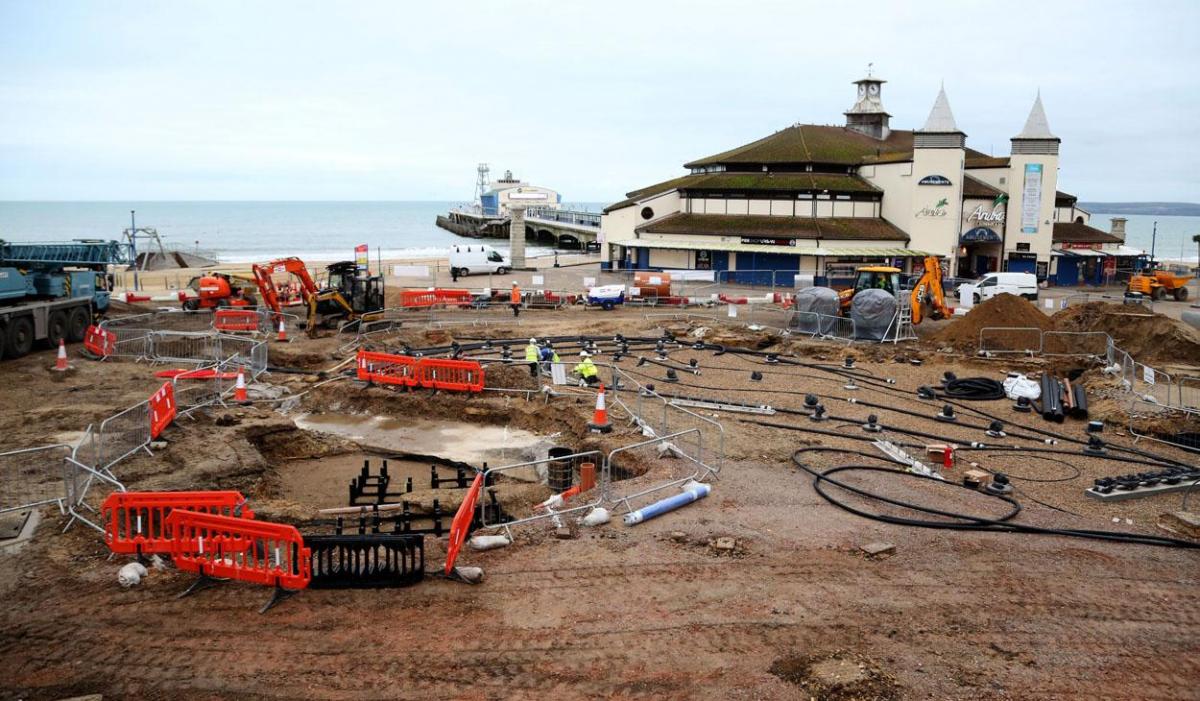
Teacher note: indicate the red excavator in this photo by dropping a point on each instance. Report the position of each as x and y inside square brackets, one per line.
[348, 294]
[927, 291]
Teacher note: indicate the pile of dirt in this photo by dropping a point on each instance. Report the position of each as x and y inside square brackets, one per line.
[1148, 337]
[1000, 311]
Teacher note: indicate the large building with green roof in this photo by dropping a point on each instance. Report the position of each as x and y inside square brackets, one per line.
[821, 200]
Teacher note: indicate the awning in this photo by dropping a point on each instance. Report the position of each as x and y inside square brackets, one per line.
[1129, 251]
[803, 247]
[1078, 253]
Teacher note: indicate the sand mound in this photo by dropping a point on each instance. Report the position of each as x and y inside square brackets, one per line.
[1148, 337]
[1000, 311]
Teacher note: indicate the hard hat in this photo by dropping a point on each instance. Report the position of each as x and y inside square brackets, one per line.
[514, 283]
[533, 340]
[584, 354]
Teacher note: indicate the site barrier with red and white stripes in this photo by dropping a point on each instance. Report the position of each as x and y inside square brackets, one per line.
[259, 552]
[429, 373]
[135, 522]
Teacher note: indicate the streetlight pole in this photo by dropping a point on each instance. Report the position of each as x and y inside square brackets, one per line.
[133, 247]
[1153, 241]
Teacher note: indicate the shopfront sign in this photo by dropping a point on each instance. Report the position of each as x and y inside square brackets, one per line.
[979, 234]
[1031, 198]
[985, 216]
[760, 241]
[934, 180]
[937, 210]
[1080, 245]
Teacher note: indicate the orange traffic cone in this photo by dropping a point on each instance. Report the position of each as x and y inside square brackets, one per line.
[239, 390]
[600, 422]
[60, 363]
[282, 338]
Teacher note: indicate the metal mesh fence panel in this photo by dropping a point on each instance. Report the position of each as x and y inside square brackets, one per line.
[32, 477]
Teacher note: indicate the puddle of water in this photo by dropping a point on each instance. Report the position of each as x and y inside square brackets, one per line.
[452, 440]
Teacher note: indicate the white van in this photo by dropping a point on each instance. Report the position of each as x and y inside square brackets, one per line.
[992, 284]
[478, 259]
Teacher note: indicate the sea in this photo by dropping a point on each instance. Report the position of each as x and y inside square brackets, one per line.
[241, 232]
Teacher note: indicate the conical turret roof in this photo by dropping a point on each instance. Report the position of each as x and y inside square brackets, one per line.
[1036, 126]
[941, 119]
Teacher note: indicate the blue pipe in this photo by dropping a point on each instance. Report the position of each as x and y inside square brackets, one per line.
[694, 492]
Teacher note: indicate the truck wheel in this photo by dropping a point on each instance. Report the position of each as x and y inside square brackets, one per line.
[191, 305]
[1157, 293]
[1181, 294]
[56, 328]
[607, 306]
[77, 324]
[463, 272]
[503, 270]
[976, 298]
[19, 338]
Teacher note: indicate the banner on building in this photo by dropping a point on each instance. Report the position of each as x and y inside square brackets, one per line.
[1031, 198]
[361, 258]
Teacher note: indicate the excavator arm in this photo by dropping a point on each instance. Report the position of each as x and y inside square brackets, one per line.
[308, 289]
[928, 290]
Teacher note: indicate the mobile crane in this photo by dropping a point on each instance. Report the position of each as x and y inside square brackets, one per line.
[347, 295]
[49, 292]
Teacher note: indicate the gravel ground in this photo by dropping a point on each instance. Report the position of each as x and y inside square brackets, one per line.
[650, 611]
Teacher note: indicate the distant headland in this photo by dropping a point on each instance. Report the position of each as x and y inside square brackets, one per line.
[1175, 209]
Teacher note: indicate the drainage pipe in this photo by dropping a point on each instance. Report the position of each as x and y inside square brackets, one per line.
[693, 491]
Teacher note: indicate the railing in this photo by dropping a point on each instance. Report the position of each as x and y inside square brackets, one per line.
[564, 216]
[31, 477]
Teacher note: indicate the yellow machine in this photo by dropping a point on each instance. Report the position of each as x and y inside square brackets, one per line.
[871, 277]
[1157, 284]
[927, 291]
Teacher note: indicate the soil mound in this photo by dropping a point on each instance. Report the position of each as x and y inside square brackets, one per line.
[1148, 337]
[1001, 310]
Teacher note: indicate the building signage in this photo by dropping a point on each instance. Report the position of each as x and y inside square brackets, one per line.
[760, 241]
[937, 210]
[980, 234]
[934, 180]
[985, 216]
[1031, 198]
[1081, 245]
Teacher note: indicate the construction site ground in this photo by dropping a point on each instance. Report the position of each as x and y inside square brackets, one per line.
[793, 609]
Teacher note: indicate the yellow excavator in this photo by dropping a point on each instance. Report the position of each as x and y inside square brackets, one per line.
[926, 293]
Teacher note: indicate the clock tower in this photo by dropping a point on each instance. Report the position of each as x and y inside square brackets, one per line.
[867, 116]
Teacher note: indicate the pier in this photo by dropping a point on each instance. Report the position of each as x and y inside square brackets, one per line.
[561, 228]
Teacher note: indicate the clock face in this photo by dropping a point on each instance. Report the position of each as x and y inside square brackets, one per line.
[862, 90]
[874, 89]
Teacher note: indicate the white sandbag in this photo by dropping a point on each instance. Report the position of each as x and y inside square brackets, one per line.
[131, 574]
[489, 542]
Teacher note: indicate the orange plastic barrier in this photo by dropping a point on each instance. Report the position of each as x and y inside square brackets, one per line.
[453, 375]
[135, 522]
[418, 298]
[100, 342]
[456, 297]
[252, 551]
[235, 320]
[434, 297]
[462, 522]
[387, 369]
[162, 409]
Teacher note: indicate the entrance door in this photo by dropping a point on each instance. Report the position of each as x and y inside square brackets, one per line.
[1068, 271]
[982, 265]
[1021, 265]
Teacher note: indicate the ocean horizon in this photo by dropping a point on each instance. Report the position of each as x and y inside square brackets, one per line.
[241, 231]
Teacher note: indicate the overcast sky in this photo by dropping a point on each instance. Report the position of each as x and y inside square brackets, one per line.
[400, 100]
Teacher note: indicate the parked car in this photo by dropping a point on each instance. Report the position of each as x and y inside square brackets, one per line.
[1020, 284]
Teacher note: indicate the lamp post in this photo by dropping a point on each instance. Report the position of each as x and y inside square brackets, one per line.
[133, 248]
[1153, 240]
